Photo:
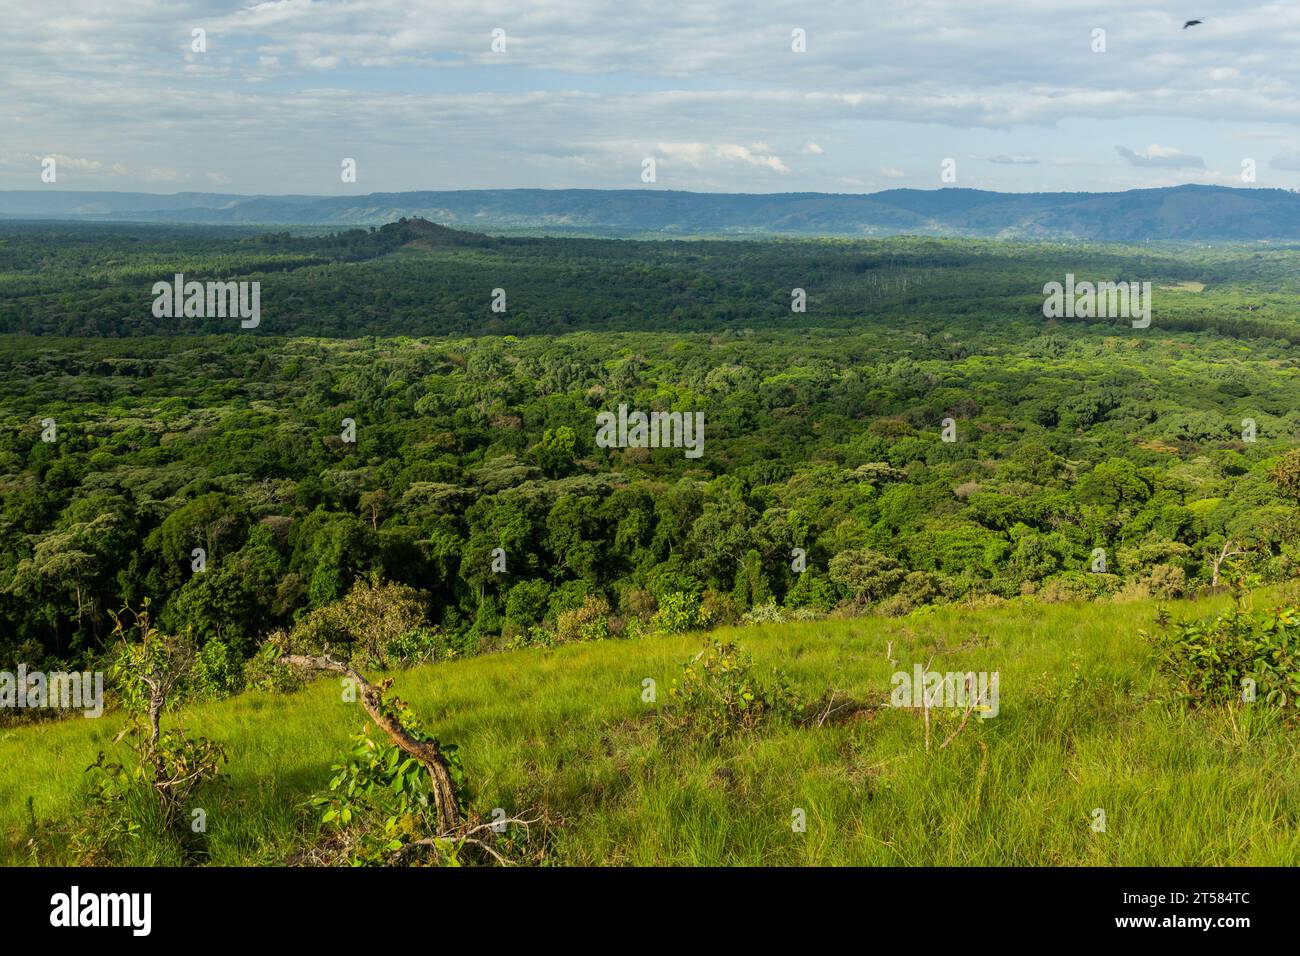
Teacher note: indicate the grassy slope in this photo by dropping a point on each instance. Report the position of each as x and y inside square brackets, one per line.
[1079, 728]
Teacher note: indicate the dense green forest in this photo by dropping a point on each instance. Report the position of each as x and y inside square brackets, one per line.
[475, 510]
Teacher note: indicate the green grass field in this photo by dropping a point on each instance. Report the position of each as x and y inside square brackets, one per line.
[1083, 724]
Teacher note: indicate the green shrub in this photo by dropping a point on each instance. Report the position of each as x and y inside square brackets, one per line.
[679, 611]
[718, 609]
[218, 672]
[526, 605]
[366, 625]
[1210, 661]
[637, 603]
[264, 671]
[419, 645]
[719, 695]
[765, 613]
[151, 793]
[567, 597]
[866, 575]
[379, 802]
[590, 622]
[813, 590]
[1167, 581]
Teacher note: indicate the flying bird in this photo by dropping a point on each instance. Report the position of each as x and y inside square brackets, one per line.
[1192, 23]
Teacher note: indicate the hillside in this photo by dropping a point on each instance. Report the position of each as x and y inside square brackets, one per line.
[563, 732]
[1189, 212]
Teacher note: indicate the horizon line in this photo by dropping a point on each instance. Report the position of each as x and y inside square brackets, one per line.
[634, 189]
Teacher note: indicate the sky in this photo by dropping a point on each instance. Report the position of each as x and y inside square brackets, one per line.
[1010, 95]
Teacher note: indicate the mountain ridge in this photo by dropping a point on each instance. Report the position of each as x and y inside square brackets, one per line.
[1187, 212]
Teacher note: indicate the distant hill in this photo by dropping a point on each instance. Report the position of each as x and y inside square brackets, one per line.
[1180, 212]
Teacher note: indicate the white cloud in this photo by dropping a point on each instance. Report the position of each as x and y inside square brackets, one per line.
[1165, 156]
[702, 155]
[286, 88]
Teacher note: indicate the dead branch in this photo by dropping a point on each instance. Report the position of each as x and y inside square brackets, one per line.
[827, 712]
[1217, 563]
[468, 837]
[970, 706]
[925, 701]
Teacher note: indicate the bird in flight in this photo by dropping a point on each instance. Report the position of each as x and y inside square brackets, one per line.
[1192, 23]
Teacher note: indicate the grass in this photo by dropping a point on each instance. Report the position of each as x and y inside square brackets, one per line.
[1083, 725]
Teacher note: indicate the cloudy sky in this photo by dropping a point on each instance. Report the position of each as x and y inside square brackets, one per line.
[1015, 92]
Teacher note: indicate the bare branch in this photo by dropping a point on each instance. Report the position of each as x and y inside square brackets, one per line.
[467, 836]
[970, 706]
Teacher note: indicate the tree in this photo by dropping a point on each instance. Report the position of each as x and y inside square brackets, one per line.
[1286, 475]
[556, 452]
[865, 574]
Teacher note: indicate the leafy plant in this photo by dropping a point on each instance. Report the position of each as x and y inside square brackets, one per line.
[679, 611]
[590, 622]
[379, 800]
[218, 672]
[719, 695]
[1210, 661]
[151, 792]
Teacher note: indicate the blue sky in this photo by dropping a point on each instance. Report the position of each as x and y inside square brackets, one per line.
[1015, 93]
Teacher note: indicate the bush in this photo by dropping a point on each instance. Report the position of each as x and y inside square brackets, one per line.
[526, 605]
[378, 800]
[218, 672]
[1209, 661]
[717, 609]
[812, 590]
[590, 622]
[1286, 474]
[567, 597]
[918, 590]
[152, 794]
[679, 611]
[1167, 581]
[264, 671]
[379, 804]
[1075, 586]
[866, 575]
[638, 603]
[719, 695]
[420, 645]
[766, 613]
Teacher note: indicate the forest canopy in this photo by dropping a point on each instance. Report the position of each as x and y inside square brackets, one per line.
[472, 506]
